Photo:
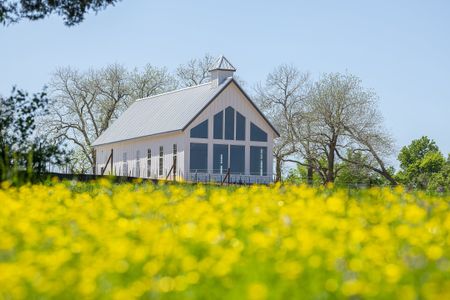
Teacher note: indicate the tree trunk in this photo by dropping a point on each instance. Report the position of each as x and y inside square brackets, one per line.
[278, 169]
[310, 173]
[330, 167]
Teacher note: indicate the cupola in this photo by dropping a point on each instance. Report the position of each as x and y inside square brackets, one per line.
[221, 70]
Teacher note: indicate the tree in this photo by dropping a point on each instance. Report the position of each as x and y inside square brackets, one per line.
[86, 103]
[21, 145]
[440, 182]
[73, 11]
[419, 161]
[351, 174]
[343, 116]
[195, 71]
[281, 98]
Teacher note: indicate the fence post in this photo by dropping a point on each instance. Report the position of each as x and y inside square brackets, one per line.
[112, 161]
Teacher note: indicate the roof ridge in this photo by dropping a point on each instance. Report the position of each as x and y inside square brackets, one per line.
[173, 91]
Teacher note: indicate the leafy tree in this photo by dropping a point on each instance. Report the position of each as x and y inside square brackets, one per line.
[21, 145]
[300, 175]
[440, 182]
[73, 11]
[419, 161]
[344, 116]
[351, 174]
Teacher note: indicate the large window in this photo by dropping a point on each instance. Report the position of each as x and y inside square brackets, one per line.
[200, 131]
[229, 123]
[240, 127]
[218, 125]
[220, 158]
[138, 164]
[198, 160]
[161, 160]
[237, 159]
[149, 162]
[258, 161]
[257, 134]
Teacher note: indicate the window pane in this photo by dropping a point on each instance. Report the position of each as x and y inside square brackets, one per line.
[237, 159]
[257, 134]
[198, 157]
[174, 160]
[124, 165]
[220, 158]
[229, 123]
[258, 160]
[218, 125]
[161, 160]
[138, 164]
[149, 162]
[240, 127]
[200, 131]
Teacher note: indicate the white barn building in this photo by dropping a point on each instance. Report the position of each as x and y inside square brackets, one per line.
[198, 133]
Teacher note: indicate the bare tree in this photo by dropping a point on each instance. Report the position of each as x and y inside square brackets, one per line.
[281, 98]
[151, 81]
[195, 72]
[86, 103]
[344, 116]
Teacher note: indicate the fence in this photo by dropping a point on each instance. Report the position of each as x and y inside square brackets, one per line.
[225, 176]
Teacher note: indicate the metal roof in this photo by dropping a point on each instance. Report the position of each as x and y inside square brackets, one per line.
[222, 64]
[164, 113]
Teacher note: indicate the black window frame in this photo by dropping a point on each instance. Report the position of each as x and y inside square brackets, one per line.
[216, 164]
[256, 160]
[237, 166]
[203, 155]
[161, 161]
[200, 131]
[218, 126]
[257, 134]
[229, 123]
[240, 127]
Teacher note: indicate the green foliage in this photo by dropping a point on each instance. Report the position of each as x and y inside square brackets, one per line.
[440, 182]
[73, 11]
[350, 173]
[423, 165]
[299, 175]
[22, 148]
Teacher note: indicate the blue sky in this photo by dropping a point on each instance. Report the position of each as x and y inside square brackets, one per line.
[401, 49]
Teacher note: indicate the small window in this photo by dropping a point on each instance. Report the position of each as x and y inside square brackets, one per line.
[240, 127]
[229, 123]
[124, 164]
[200, 131]
[174, 162]
[149, 163]
[218, 125]
[257, 134]
[138, 164]
[161, 160]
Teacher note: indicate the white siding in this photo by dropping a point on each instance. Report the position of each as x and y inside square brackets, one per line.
[142, 145]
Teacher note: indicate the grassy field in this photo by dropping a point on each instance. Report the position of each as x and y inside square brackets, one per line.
[99, 240]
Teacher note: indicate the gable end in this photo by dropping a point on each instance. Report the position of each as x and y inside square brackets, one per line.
[245, 95]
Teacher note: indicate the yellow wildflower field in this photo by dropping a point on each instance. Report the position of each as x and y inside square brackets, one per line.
[142, 241]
